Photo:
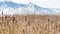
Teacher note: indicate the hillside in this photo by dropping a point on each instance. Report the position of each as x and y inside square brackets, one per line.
[10, 8]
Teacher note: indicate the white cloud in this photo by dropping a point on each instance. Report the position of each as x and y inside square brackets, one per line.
[2, 0]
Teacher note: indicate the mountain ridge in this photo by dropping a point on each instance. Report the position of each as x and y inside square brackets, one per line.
[27, 8]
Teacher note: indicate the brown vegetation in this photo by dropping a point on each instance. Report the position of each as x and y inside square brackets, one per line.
[29, 24]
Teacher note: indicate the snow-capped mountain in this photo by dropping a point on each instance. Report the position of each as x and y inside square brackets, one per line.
[10, 8]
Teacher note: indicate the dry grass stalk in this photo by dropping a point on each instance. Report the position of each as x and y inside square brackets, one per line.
[29, 24]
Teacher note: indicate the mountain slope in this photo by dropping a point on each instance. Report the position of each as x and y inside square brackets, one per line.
[8, 8]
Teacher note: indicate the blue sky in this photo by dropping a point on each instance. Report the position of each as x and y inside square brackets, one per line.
[41, 3]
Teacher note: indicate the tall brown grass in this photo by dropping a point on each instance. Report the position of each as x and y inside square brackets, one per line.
[30, 24]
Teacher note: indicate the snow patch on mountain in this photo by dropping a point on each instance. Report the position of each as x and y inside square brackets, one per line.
[11, 8]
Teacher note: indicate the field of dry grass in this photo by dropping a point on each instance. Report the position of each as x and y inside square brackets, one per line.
[30, 24]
